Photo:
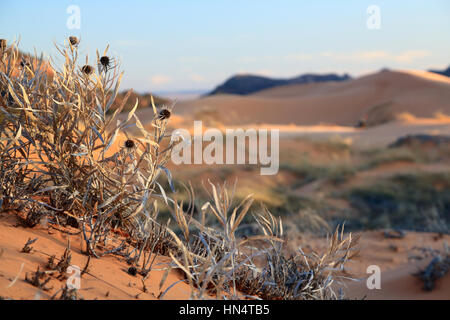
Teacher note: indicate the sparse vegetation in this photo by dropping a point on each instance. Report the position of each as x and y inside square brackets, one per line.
[438, 267]
[39, 279]
[377, 157]
[27, 248]
[299, 276]
[64, 150]
[418, 202]
[329, 183]
[67, 294]
[309, 172]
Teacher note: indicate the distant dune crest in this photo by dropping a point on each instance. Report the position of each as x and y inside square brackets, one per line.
[247, 84]
[378, 97]
[445, 72]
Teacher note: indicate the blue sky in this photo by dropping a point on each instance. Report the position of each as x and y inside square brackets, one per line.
[187, 45]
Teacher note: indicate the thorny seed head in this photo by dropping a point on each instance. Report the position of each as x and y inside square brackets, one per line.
[105, 61]
[3, 44]
[87, 69]
[132, 271]
[73, 40]
[164, 114]
[129, 144]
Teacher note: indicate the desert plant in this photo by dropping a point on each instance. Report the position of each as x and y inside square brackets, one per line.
[210, 256]
[57, 128]
[215, 261]
[438, 267]
[298, 276]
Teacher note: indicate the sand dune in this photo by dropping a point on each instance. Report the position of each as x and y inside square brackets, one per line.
[106, 278]
[379, 95]
[378, 136]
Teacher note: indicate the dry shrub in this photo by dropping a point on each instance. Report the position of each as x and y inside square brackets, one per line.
[60, 151]
[57, 129]
[215, 262]
[299, 276]
[438, 267]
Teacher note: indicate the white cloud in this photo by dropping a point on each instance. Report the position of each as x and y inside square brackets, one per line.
[260, 72]
[160, 79]
[264, 72]
[359, 56]
[299, 57]
[197, 78]
[378, 55]
[372, 55]
[410, 56]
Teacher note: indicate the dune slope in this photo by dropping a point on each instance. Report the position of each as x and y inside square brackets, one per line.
[380, 96]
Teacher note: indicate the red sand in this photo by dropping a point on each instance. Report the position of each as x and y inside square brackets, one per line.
[107, 278]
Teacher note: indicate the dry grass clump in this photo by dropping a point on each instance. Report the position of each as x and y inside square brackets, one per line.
[39, 279]
[67, 294]
[436, 269]
[61, 159]
[27, 248]
[298, 276]
[215, 261]
[209, 256]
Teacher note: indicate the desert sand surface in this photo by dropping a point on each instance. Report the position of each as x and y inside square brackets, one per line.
[106, 278]
[371, 137]
[381, 94]
[412, 102]
[399, 103]
[406, 102]
[399, 261]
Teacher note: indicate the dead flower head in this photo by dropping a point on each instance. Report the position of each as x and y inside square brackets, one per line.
[3, 43]
[130, 144]
[87, 69]
[164, 114]
[106, 63]
[73, 40]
